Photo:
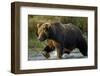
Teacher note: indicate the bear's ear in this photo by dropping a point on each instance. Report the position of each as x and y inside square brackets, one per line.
[47, 26]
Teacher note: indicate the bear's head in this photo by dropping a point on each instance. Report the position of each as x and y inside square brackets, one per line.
[43, 31]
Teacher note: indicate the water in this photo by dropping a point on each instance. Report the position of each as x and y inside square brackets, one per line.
[75, 54]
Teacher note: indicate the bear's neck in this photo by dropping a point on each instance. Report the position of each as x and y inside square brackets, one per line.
[56, 34]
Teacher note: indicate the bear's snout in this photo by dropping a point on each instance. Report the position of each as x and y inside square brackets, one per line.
[40, 38]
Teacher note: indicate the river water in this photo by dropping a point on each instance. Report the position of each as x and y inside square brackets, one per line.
[75, 54]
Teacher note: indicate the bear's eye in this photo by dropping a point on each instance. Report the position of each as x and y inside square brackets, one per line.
[45, 28]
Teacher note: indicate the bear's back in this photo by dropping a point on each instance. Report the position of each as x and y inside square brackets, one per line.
[72, 34]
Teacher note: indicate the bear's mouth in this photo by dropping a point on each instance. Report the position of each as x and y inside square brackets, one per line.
[42, 38]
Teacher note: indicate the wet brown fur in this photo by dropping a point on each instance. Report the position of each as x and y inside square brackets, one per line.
[63, 37]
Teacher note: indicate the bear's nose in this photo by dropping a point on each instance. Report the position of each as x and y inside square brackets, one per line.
[40, 38]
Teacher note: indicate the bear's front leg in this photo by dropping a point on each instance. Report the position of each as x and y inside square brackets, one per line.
[46, 51]
[59, 51]
[59, 48]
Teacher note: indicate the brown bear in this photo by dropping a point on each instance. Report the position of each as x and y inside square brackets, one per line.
[64, 37]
